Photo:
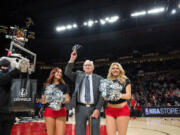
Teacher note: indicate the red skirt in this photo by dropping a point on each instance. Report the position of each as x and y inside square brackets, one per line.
[52, 113]
[117, 112]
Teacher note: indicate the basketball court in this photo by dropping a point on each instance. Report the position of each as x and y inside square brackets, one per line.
[138, 126]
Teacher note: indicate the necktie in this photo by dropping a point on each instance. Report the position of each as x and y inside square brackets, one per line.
[87, 89]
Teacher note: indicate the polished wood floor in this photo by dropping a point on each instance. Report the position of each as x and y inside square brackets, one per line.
[138, 126]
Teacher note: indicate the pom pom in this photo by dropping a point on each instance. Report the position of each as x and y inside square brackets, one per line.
[54, 96]
[110, 90]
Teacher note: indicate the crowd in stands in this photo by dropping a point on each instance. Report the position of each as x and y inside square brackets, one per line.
[154, 84]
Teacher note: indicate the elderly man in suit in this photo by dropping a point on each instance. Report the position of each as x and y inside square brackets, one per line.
[86, 99]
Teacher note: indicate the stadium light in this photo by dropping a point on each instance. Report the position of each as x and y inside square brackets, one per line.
[69, 27]
[107, 18]
[113, 19]
[173, 11]
[155, 10]
[85, 23]
[74, 25]
[90, 23]
[102, 21]
[138, 14]
[62, 28]
[66, 27]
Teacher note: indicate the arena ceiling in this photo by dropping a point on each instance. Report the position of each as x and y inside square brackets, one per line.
[145, 34]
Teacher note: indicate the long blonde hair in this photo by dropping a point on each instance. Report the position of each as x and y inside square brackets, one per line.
[122, 77]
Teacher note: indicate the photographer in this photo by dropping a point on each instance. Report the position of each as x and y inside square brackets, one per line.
[7, 118]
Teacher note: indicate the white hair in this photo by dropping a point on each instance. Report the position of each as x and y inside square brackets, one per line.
[91, 62]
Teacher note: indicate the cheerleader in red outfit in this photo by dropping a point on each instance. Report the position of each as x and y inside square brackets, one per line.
[117, 111]
[55, 119]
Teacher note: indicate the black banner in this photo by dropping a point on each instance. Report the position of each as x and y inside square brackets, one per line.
[23, 94]
[173, 111]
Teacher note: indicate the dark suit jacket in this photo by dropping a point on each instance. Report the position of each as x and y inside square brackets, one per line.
[5, 84]
[78, 77]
